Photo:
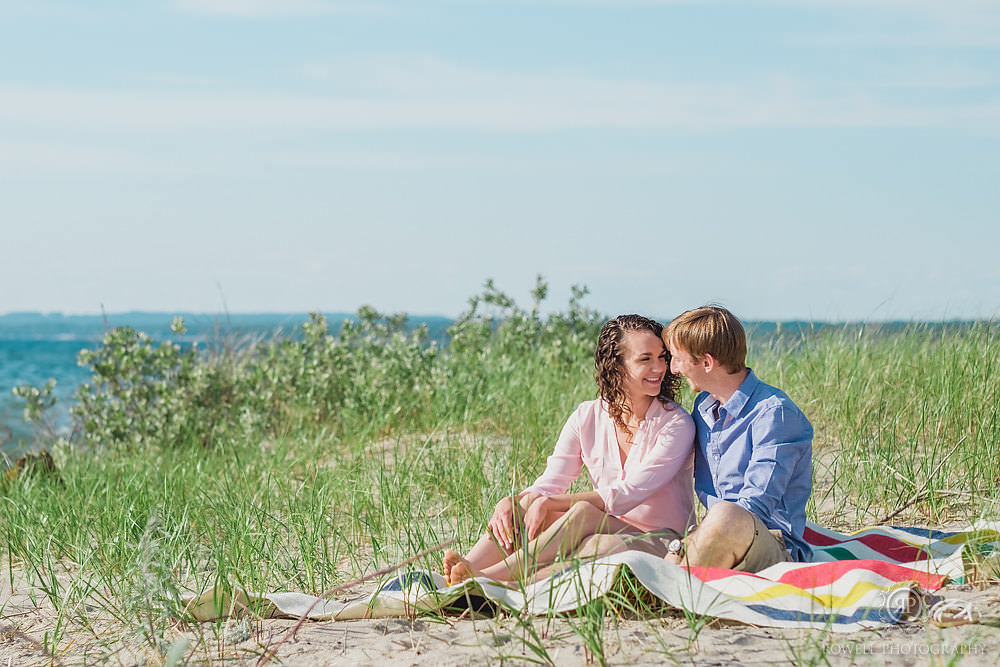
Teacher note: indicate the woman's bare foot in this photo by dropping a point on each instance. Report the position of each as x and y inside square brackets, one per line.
[450, 560]
[462, 570]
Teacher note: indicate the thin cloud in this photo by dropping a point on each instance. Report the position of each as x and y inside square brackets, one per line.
[981, 35]
[254, 8]
[945, 77]
[970, 23]
[955, 23]
[16, 156]
[423, 94]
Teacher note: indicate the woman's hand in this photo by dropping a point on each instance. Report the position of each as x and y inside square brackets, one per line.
[536, 516]
[504, 524]
[525, 500]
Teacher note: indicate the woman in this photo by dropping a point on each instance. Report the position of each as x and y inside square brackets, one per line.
[637, 445]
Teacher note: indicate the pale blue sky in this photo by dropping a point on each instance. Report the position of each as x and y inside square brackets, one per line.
[797, 159]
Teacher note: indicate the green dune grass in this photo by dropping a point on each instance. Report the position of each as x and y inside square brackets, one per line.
[301, 465]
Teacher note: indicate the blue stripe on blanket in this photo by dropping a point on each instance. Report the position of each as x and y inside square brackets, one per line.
[879, 614]
[925, 532]
[408, 579]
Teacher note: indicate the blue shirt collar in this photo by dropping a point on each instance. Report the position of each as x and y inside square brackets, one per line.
[738, 400]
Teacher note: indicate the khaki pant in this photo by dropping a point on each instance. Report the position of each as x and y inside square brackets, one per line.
[767, 548]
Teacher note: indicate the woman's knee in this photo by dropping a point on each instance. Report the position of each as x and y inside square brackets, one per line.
[582, 510]
[584, 516]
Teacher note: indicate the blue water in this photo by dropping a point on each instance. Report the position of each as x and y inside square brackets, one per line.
[34, 362]
[35, 348]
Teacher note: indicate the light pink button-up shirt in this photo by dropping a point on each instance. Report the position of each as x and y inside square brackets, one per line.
[654, 490]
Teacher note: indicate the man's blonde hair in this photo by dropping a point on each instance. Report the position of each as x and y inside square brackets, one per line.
[709, 330]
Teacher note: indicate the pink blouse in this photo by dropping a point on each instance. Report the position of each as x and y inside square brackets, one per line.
[655, 488]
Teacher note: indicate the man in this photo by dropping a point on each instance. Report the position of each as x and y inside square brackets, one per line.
[753, 455]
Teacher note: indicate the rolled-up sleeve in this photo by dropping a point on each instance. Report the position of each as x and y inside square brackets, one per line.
[565, 463]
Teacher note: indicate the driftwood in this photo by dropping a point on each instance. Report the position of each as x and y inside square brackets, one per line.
[273, 651]
[923, 491]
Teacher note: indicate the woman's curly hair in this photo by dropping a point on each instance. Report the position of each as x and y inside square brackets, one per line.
[609, 365]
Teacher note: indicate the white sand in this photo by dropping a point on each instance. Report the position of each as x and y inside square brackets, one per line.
[484, 641]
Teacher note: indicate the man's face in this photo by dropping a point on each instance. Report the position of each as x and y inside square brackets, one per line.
[682, 363]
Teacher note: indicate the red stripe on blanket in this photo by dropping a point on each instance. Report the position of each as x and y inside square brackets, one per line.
[817, 539]
[818, 574]
[813, 575]
[889, 547]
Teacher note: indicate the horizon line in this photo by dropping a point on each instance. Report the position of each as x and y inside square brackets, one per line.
[305, 313]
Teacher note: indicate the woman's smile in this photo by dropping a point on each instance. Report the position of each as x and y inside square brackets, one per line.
[645, 362]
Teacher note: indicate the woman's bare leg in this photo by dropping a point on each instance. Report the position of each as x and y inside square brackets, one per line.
[593, 546]
[596, 546]
[563, 536]
[484, 553]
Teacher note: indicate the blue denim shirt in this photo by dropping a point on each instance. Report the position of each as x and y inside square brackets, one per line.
[756, 453]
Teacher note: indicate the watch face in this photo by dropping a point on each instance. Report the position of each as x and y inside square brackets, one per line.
[674, 547]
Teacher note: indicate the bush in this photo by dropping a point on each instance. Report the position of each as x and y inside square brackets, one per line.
[376, 377]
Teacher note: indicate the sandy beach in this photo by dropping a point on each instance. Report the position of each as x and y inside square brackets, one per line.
[99, 548]
[29, 620]
[666, 637]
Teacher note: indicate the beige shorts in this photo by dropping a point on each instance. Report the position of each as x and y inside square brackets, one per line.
[767, 548]
[651, 543]
[654, 544]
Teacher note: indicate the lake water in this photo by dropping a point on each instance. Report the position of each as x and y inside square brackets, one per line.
[35, 347]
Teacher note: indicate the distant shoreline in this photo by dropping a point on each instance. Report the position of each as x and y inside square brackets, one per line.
[139, 318]
[90, 328]
[35, 347]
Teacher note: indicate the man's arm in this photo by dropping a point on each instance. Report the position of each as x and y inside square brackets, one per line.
[781, 437]
[704, 484]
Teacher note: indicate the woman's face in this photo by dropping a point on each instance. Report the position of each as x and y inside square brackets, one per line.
[645, 363]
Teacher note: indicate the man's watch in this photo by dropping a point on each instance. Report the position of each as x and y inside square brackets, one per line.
[676, 548]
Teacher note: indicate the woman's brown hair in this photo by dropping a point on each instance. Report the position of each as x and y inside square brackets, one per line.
[609, 365]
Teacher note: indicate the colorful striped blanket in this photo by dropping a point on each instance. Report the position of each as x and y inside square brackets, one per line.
[868, 579]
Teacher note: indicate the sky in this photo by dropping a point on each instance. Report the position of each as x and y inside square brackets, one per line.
[821, 160]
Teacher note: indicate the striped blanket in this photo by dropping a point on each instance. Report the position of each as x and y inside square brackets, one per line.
[868, 579]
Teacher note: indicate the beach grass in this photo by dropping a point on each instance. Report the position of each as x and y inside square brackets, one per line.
[301, 464]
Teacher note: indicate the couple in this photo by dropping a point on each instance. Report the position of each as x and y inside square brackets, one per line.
[748, 449]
